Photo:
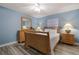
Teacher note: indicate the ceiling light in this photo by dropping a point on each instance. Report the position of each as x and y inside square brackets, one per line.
[36, 7]
[37, 4]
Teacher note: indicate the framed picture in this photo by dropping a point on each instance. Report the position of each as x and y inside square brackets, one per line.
[52, 23]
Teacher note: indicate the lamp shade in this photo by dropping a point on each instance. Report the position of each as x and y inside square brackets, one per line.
[68, 26]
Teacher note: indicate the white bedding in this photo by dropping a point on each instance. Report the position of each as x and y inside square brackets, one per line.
[41, 33]
[54, 37]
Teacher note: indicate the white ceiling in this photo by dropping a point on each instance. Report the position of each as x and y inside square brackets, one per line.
[46, 8]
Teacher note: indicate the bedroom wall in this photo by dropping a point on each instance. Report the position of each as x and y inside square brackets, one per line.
[37, 21]
[9, 25]
[71, 17]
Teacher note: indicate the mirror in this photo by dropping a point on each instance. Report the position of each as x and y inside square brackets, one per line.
[26, 23]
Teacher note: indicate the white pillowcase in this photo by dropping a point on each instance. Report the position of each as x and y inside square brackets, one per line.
[50, 30]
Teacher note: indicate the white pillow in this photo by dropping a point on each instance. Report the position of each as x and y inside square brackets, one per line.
[50, 30]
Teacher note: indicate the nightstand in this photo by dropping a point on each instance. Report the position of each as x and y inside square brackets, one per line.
[67, 38]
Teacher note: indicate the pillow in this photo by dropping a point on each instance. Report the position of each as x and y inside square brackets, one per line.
[50, 30]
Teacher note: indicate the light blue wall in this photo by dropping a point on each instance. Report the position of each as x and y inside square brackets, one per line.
[9, 25]
[66, 17]
[71, 17]
[37, 21]
[43, 20]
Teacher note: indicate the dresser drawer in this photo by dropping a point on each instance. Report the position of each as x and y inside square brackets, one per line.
[67, 38]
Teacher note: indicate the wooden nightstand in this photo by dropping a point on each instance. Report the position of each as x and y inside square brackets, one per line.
[67, 38]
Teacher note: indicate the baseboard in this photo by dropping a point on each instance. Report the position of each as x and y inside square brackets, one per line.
[6, 44]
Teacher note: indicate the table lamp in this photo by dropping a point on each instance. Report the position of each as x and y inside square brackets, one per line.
[68, 27]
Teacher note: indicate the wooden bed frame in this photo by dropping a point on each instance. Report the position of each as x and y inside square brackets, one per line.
[38, 42]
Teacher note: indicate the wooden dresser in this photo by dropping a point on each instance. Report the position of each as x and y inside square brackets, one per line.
[21, 36]
[67, 38]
